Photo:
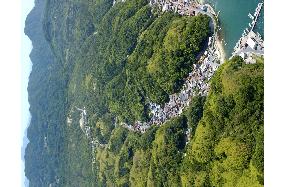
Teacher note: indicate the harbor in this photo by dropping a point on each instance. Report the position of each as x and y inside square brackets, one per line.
[233, 19]
[250, 43]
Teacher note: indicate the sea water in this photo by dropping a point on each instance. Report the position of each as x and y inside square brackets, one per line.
[234, 19]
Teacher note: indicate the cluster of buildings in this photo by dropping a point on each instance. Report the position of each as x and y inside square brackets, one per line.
[138, 126]
[197, 83]
[94, 143]
[187, 135]
[83, 118]
[141, 126]
[250, 43]
[82, 121]
[182, 7]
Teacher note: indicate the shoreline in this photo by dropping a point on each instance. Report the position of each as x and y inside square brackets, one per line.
[220, 48]
[218, 38]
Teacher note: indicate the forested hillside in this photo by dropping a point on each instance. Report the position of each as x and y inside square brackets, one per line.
[227, 148]
[46, 90]
[45, 155]
[112, 60]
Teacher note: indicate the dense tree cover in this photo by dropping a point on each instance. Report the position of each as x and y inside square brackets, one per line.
[113, 60]
[154, 158]
[227, 148]
[194, 112]
[46, 98]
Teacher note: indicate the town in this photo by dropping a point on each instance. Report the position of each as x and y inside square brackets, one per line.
[196, 82]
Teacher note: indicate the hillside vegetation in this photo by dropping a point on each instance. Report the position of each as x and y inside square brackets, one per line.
[227, 148]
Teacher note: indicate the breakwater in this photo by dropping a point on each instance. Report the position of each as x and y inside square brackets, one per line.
[234, 19]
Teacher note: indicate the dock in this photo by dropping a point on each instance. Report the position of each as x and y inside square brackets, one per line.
[256, 16]
[250, 43]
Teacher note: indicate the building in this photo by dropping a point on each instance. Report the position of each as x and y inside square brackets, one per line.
[166, 7]
[243, 55]
[191, 13]
[251, 43]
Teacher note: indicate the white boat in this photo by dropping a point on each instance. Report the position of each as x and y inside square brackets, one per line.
[250, 16]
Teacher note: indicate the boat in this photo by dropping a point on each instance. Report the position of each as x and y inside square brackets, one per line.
[250, 16]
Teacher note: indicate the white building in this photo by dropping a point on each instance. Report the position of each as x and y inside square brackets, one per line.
[251, 43]
[243, 55]
[165, 7]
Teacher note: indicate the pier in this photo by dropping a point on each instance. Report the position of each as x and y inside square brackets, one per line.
[256, 15]
[250, 43]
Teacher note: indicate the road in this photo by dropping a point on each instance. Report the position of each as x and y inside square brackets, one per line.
[187, 9]
[208, 14]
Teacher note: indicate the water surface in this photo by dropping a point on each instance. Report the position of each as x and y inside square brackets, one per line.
[234, 19]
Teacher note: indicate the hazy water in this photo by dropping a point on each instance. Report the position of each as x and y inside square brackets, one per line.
[234, 19]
